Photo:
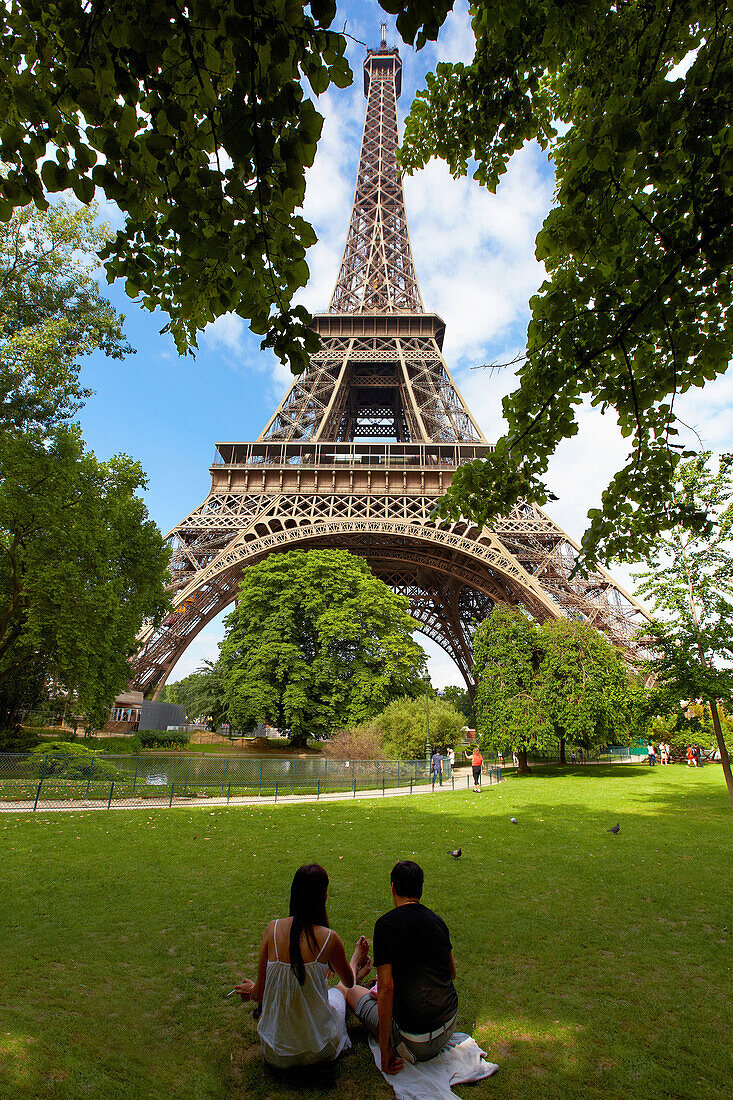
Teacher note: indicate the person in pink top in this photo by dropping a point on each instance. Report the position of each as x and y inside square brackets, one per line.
[476, 762]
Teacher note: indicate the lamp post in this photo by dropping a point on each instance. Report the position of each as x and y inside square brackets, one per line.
[428, 753]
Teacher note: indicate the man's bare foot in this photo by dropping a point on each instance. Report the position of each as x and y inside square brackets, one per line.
[361, 964]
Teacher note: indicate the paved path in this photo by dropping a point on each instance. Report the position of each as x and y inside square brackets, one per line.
[456, 783]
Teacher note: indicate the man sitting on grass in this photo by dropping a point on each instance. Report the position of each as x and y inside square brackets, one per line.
[414, 1013]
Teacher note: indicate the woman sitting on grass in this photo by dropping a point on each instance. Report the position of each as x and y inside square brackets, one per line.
[302, 1021]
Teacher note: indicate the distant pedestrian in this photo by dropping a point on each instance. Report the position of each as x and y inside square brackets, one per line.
[451, 759]
[691, 762]
[515, 760]
[476, 762]
[572, 756]
[652, 754]
[696, 753]
[437, 766]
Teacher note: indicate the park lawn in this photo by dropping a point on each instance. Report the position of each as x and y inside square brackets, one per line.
[589, 965]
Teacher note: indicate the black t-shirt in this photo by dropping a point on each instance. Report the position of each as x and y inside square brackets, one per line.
[415, 941]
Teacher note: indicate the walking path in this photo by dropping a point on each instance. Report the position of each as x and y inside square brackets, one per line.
[450, 785]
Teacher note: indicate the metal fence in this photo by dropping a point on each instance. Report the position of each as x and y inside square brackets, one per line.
[33, 782]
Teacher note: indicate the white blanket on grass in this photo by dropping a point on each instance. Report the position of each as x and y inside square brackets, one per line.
[460, 1062]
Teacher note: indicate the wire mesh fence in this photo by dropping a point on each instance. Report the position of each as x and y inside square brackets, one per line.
[53, 780]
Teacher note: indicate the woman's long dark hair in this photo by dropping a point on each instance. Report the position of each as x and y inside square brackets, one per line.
[307, 908]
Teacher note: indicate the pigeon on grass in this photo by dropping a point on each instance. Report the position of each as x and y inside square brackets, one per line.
[513, 820]
[615, 828]
[457, 854]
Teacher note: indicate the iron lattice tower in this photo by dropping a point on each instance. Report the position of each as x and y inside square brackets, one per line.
[361, 447]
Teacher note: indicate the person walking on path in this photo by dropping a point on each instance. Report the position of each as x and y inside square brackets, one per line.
[437, 766]
[652, 754]
[476, 762]
[414, 1013]
[302, 1021]
[451, 759]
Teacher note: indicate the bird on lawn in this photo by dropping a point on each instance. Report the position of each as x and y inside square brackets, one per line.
[615, 829]
[513, 820]
[457, 854]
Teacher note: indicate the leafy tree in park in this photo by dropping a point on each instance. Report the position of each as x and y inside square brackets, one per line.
[81, 565]
[637, 247]
[585, 684]
[460, 700]
[511, 706]
[690, 584]
[402, 725]
[80, 562]
[316, 641]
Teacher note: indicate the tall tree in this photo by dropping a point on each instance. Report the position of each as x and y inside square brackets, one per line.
[80, 562]
[511, 710]
[633, 103]
[81, 565]
[690, 583]
[316, 641]
[585, 684]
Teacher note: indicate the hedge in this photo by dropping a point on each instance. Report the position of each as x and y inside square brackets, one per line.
[158, 739]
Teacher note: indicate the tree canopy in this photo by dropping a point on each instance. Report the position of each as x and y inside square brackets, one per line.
[542, 686]
[690, 583]
[511, 709]
[81, 564]
[633, 103]
[316, 641]
[585, 684]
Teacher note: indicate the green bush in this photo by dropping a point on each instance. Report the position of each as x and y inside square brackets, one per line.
[65, 760]
[159, 739]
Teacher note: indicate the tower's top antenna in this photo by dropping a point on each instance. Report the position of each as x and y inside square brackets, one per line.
[384, 36]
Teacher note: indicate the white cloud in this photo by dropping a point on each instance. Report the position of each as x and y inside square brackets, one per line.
[228, 331]
[456, 41]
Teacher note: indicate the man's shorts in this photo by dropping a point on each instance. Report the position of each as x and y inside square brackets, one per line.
[368, 1012]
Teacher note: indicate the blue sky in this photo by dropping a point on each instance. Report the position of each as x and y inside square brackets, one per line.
[474, 254]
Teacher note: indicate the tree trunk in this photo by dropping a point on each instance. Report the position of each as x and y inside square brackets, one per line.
[563, 759]
[298, 741]
[523, 768]
[724, 758]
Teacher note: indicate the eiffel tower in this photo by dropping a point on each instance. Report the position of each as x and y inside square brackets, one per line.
[360, 449]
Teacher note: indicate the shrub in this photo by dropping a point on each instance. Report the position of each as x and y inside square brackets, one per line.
[65, 760]
[159, 739]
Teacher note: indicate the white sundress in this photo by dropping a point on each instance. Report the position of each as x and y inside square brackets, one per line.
[301, 1024]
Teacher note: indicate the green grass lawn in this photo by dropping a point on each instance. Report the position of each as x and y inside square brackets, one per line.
[589, 965]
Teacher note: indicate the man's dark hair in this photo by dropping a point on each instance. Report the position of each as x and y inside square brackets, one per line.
[407, 878]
